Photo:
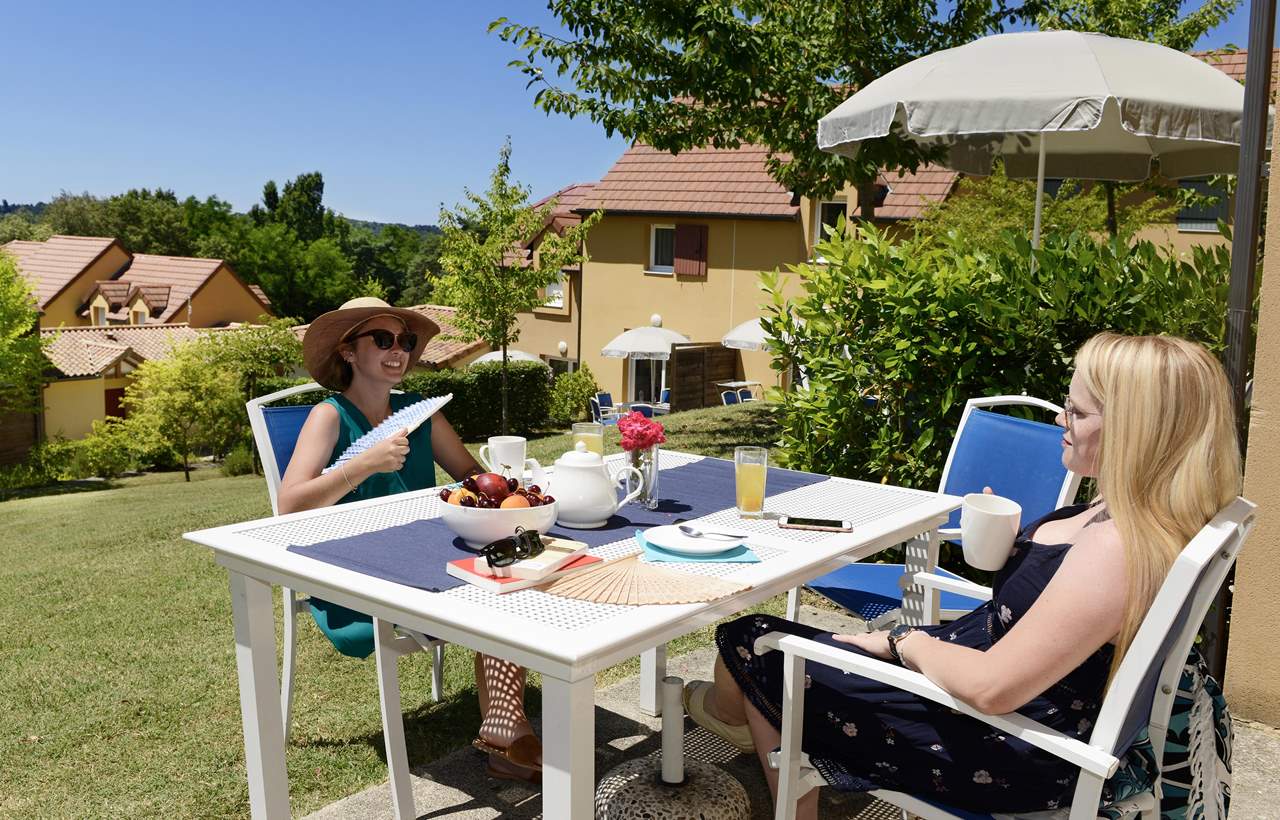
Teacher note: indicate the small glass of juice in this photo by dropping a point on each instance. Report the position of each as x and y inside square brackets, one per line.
[750, 466]
[590, 433]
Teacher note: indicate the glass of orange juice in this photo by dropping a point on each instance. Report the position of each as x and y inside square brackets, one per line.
[750, 466]
[590, 433]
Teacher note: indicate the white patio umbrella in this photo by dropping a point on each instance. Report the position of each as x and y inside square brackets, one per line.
[746, 336]
[512, 356]
[1061, 103]
[651, 342]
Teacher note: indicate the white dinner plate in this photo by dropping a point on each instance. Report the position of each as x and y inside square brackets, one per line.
[669, 537]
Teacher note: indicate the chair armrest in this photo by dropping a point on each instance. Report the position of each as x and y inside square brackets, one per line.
[1091, 759]
[944, 584]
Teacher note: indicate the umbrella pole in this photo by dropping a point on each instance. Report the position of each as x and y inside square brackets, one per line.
[1035, 230]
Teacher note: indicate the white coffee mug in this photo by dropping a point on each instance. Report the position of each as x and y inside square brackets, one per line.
[505, 455]
[988, 527]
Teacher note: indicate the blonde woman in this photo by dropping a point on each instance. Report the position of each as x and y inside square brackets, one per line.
[1150, 418]
[361, 351]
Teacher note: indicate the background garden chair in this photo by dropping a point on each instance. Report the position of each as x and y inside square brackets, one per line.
[665, 396]
[729, 397]
[607, 406]
[599, 415]
[645, 410]
[1140, 697]
[1018, 458]
[275, 432]
[745, 394]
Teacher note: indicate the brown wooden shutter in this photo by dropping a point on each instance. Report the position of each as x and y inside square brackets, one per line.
[691, 250]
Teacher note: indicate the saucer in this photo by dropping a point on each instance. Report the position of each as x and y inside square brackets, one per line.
[670, 538]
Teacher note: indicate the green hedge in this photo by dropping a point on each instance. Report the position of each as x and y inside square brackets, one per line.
[923, 325]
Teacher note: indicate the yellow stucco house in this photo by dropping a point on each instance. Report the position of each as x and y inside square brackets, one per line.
[106, 310]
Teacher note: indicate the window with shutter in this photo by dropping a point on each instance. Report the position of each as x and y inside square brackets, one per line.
[691, 250]
[662, 243]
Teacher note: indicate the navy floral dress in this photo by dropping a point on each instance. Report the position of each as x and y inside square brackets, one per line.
[862, 735]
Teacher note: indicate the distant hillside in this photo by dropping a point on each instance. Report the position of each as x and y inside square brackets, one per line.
[7, 207]
[376, 227]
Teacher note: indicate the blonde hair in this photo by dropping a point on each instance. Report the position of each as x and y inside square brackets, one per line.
[1168, 460]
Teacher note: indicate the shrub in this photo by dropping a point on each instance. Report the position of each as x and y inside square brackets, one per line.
[109, 451]
[570, 395]
[48, 462]
[476, 409]
[238, 462]
[924, 325]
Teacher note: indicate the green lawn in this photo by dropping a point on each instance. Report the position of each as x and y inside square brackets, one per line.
[118, 662]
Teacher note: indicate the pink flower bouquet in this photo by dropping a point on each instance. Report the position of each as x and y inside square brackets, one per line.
[639, 433]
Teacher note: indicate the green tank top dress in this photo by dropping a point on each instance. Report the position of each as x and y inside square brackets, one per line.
[351, 632]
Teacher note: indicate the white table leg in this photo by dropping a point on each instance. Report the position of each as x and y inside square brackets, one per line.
[920, 604]
[568, 748]
[253, 616]
[384, 639]
[653, 668]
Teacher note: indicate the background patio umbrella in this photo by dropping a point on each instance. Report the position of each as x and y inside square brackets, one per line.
[1061, 103]
[746, 336]
[650, 342]
[512, 355]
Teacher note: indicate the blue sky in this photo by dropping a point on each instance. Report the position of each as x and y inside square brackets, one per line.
[399, 103]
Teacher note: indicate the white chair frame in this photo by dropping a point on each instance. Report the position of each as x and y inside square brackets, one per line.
[390, 643]
[1216, 547]
[927, 549]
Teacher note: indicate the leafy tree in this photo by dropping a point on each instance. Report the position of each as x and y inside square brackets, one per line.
[302, 206]
[681, 75]
[486, 277]
[149, 222]
[78, 215]
[22, 360]
[18, 225]
[187, 402]
[986, 207]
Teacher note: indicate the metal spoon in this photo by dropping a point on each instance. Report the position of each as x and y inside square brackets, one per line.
[694, 532]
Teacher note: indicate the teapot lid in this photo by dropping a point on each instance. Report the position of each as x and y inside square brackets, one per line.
[580, 456]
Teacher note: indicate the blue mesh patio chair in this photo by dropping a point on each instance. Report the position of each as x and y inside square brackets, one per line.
[1017, 458]
[745, 394]
[275, 433]
[598, 416]
[665, 396]
[729, 397]
[645, 410]
[606, 402]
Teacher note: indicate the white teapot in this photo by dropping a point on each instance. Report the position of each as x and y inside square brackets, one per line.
[583, 490]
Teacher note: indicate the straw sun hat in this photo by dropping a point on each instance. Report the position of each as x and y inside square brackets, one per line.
[320, 344]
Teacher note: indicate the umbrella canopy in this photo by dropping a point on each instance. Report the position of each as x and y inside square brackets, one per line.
[644, 343]
[1099, 107]
[512, 356]
[746, 336]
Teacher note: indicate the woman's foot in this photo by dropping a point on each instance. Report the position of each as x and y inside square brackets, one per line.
[695, 704]
[503, 769]
[525, 751]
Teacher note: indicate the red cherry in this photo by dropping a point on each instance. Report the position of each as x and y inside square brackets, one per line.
[534, 488]
[469, 483]
[444, 494]
[546, 499]
[467, 501]
[512, 485]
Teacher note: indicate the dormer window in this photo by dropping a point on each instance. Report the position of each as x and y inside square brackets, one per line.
[99, 315]
[139, 316]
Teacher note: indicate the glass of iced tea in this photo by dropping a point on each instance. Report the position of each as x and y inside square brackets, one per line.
[750, 466]
[590, 433]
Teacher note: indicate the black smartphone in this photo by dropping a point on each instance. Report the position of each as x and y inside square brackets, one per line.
[795, 522]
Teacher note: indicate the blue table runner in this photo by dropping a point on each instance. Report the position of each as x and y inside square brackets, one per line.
[415, 554]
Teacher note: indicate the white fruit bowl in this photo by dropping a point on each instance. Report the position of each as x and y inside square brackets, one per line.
[480, 527]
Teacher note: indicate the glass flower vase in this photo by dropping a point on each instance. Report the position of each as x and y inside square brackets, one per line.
[646, 461]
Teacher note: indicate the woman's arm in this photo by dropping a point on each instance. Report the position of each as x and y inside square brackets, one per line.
[449, 451]
[304, 488]
[1080, 610]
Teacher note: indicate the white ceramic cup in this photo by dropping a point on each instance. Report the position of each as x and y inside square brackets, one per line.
[507, 453]
[988, 527]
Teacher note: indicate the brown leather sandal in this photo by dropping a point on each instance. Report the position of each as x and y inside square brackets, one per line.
[525, 751]
[502, 769]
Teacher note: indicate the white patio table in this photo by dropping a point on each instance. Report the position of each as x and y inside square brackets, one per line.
[567, 641]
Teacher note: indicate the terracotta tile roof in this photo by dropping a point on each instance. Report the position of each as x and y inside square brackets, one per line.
[703, 181]
[116, 292]
[440, 352]
[50, 266]
[1232, 63]
[183, 275]
[156, 297]
[261, 294]
[909, 194]
[87, 351]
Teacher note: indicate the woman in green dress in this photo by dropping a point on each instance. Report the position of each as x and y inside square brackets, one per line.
[362, 351]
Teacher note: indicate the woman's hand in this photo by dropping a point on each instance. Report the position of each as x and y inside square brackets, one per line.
[387, 456]
[873, 643]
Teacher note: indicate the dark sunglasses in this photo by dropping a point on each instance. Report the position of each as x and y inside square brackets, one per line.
[506, 551]
[384, 339]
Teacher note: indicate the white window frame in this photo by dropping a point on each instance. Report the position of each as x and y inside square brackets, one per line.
[818, 223]
[554, 292]
[96, 314]
[665, 270]
[571, 365]
[135, 314]
[631, 378]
